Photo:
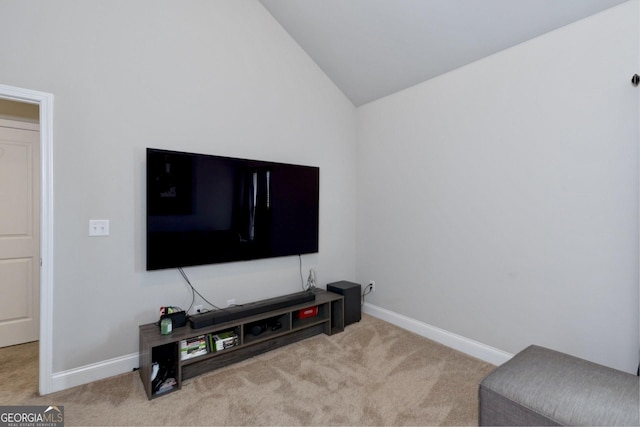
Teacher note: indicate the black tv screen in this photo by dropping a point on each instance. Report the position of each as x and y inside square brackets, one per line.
[205, 209]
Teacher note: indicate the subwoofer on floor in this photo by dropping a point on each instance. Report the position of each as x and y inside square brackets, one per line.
[352, 293]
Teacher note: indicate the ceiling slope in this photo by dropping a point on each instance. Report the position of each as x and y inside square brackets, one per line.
[373, 48]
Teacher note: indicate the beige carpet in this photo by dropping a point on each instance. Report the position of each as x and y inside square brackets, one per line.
[19, 373]
[372, 374]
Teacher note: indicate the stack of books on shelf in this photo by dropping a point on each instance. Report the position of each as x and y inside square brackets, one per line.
[223, 340]
[209, 343]
[193, 347]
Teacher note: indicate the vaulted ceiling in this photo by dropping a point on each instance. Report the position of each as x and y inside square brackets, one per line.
[373, 48]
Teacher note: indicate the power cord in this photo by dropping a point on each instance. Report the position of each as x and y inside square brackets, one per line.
[194, 291]
[311, 280]
[367, 290]
[300, 267]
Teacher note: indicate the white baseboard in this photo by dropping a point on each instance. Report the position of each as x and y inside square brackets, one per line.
[473, 348]
[93, 372]
[123, 364]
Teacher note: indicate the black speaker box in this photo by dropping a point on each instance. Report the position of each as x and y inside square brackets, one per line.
[178, 319]
[352, 293]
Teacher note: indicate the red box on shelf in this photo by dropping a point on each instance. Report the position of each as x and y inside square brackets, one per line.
[307, 312]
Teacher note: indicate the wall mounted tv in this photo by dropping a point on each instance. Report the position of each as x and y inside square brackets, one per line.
[205, 209]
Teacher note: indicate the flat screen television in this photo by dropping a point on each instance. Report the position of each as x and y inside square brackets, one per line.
[206, 209]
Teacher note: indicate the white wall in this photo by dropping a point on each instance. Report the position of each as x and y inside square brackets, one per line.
[500, 201]
[219, 77]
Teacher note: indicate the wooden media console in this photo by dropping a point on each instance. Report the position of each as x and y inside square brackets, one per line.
[186, 352]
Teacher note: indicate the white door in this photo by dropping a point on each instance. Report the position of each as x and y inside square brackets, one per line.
[19, 232]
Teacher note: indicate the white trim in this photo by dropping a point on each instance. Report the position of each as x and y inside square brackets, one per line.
[94, 372]
[45, 102]
[473, 348]
[123, 364]
[638, 99]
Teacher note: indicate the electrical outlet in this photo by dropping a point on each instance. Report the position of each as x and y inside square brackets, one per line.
[231, 302]
[372, 285]
[197, 309]
[98, 227]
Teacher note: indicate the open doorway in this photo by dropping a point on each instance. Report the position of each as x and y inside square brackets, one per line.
[19, 105]
[19, 245]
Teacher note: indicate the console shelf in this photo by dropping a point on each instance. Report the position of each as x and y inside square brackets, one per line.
[255, 335]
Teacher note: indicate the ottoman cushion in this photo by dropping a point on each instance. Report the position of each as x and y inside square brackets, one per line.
[539, 386]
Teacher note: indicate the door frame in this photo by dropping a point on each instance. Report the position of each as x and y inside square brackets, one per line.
[45, 102]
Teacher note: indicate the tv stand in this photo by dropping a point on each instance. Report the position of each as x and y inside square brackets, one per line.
[238, 339]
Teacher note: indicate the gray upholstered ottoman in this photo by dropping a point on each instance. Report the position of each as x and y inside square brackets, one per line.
[539, 386]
